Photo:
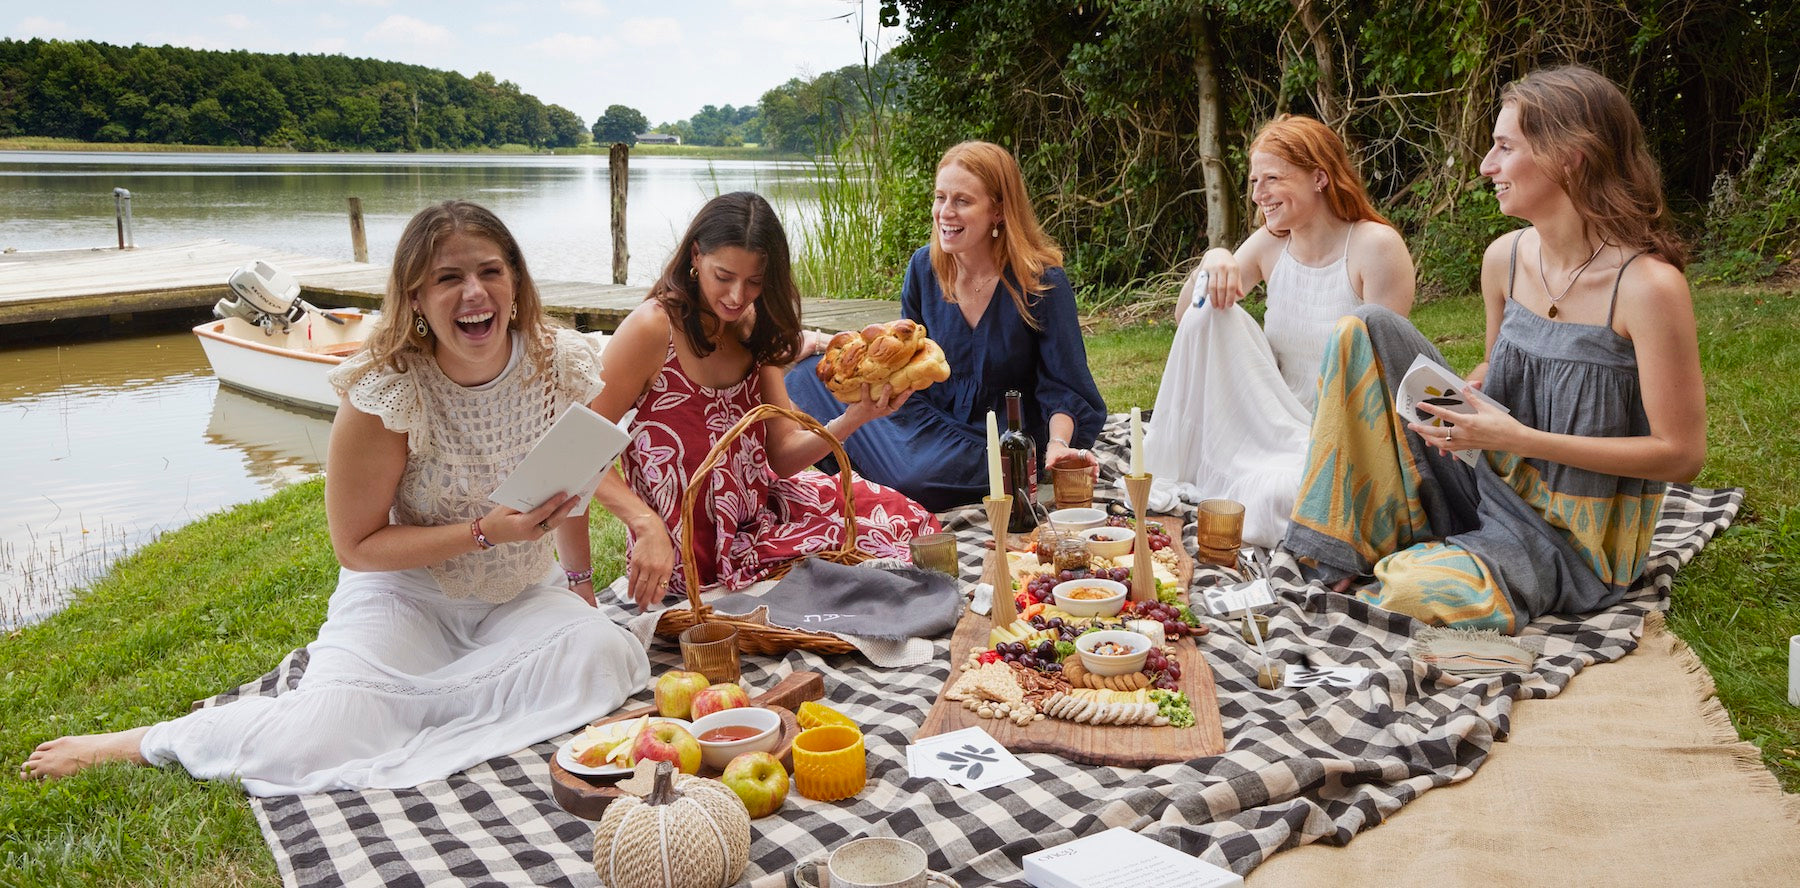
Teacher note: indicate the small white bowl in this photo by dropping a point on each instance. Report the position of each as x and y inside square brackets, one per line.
[1089, 607]
[1109, 542]
[716, 754]
[1113, 664]
[1076, 520]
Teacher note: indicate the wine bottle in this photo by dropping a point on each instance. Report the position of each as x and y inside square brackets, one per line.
[1019, 467]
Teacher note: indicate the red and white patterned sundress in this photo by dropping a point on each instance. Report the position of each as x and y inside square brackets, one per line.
[755, 520]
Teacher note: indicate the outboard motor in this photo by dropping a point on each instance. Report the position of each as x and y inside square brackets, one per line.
[267, 297]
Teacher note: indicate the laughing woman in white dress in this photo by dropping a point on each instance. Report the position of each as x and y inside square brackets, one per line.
[1235, 405]
[452, 636]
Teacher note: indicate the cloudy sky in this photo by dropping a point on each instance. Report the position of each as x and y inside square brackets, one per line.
[666, 58]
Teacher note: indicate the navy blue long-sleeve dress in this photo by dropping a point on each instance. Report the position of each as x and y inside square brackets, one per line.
[934, 449]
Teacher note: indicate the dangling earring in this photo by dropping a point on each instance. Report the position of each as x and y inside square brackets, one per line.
[420, 328]
[515, 311]
[994, 232]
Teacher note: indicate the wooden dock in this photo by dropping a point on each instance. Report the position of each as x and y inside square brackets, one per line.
[52, 285]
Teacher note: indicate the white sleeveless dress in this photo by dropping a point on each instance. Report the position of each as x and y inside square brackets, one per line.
[417, 674]
[1234, 408]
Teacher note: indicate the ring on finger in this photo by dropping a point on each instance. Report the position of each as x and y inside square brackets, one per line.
[544, 525]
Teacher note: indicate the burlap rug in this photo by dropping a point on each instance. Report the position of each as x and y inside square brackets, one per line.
[1632, 776]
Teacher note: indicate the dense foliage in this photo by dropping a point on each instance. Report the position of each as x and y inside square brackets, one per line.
[1103, 101]
[102, 93]
[620, 123]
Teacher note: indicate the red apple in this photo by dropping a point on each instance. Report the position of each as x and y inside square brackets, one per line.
[759, 780]
[668, 742]
[675, 692]
[719, 697]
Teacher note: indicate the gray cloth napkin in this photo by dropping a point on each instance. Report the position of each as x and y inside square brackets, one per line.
[890, 603]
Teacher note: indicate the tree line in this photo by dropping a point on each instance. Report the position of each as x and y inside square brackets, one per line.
[98, 92]
[1130, 117]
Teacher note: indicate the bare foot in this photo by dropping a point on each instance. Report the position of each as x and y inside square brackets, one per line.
[67, 755]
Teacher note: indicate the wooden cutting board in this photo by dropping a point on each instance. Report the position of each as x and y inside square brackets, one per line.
[587, 797]
[1131, 747]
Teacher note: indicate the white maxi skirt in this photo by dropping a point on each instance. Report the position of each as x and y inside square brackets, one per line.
[1225, 424]
[406, 685]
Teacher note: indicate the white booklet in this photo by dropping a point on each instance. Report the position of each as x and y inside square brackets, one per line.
[1120, 858]
[580, 446]
[1430, 382]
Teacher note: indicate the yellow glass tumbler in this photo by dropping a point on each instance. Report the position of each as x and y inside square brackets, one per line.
[830, 763]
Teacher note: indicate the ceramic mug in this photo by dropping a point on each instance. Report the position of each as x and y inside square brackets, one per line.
[874, 862]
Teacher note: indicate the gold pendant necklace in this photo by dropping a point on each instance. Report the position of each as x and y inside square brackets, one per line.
[1572, 278]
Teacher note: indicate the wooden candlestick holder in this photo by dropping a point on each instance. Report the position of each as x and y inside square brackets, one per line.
[1143, 577]
[999, 511]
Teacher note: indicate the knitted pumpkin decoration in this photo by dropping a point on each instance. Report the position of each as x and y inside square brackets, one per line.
[689, 832]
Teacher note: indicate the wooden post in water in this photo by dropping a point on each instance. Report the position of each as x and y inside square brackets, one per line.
[618, 161]
[359, 240]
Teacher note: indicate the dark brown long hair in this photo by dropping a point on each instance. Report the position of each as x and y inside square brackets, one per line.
[1023, 247]
[1310, 145]
[1587, 139]
[739, 219]
[393, 340]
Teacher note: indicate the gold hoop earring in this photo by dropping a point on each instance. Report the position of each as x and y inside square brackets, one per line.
[693, 272]
[420, 328]
[515, 311]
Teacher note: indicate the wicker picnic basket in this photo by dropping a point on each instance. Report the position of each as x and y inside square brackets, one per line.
[754, 637]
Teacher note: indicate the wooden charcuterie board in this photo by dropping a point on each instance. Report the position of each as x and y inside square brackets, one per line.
[587, 797]
[1131, 747]
[1134, 747]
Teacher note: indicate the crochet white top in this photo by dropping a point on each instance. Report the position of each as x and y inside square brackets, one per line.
[1305, 303]
[462, 441]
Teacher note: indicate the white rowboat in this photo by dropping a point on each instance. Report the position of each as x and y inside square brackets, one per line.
[285, 365]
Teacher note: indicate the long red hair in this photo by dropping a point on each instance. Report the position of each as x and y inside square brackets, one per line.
[1311, 145]
[1023, 248]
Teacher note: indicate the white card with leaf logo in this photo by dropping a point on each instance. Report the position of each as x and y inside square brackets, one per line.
[970, 758]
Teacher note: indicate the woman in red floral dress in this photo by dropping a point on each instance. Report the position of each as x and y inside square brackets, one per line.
[709, 344]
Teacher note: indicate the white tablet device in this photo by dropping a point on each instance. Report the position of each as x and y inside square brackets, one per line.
[580, 446]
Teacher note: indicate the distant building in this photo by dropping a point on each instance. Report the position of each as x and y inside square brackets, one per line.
[658, 139]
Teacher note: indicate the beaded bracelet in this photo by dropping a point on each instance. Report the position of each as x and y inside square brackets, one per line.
[577, 577]
[481, 539]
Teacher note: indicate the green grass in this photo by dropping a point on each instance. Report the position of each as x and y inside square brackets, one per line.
[220, 601]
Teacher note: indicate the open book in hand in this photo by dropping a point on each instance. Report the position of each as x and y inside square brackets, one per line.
[580, 446]
[1429, 382]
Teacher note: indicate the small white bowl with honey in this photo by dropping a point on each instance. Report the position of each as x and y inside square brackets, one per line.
[1088, 597]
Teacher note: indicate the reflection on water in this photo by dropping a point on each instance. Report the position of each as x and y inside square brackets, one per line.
[111, 443]
[558, 207]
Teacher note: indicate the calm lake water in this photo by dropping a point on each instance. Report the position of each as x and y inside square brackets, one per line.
[109, 443]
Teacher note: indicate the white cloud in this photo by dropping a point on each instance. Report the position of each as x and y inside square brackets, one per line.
[661, 31]
[572, 46]
[329, 45]
[497, 29]
[38, 26]
[327, 20]
[237, 22]
[593, 8]
[367, 2]
[406, 30]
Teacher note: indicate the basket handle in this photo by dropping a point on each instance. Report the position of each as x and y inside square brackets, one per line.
[757, 414]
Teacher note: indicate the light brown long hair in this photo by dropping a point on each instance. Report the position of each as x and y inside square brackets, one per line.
[740, 219]
[1022, 247]
[394, 341]
[1310, 145]
[1586, 137]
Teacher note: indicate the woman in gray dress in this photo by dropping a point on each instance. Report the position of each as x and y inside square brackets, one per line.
[1592, 348]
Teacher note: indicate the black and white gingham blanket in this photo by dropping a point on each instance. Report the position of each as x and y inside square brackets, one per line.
[1302, 766]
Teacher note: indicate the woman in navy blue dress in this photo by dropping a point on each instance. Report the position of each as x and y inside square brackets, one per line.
[990, 290]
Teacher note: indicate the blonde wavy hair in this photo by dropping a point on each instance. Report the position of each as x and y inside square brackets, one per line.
[394, 341]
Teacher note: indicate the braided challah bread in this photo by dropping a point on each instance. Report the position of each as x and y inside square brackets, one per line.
[896, 354]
